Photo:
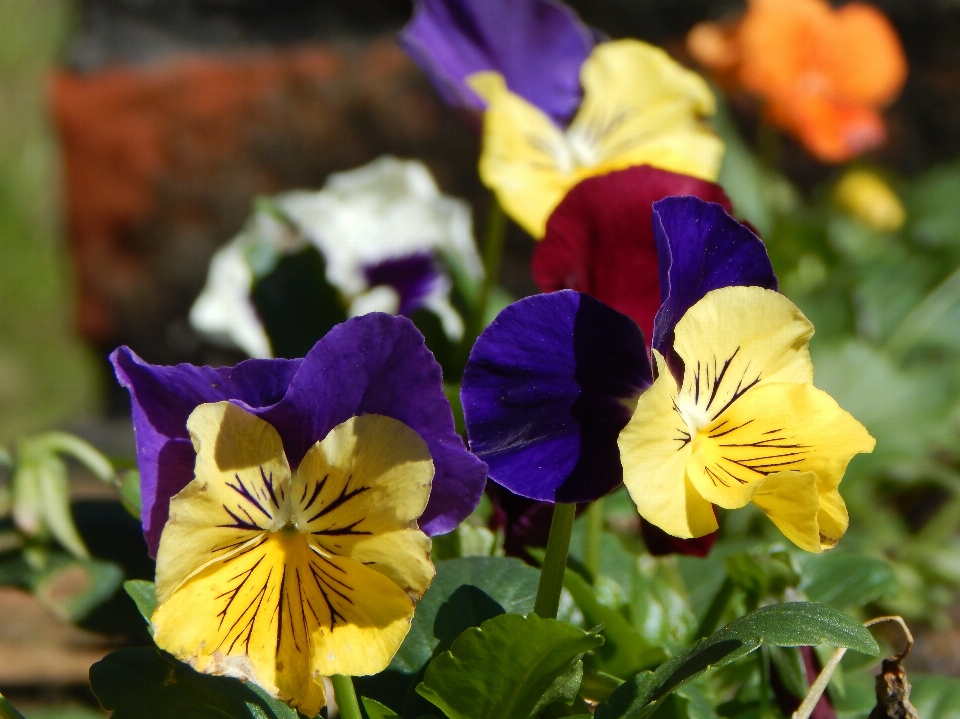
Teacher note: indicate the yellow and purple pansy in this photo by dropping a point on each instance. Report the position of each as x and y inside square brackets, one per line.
[558, 401]
[373, 364]
[558, 105]
[289, 502]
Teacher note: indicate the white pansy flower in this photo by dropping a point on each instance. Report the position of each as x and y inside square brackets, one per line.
[386, 233]
[382, 212]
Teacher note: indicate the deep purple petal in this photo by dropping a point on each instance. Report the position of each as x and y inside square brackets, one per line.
[701, 248]
[375, 364]
[163, 398]
[537, 45]
[545, 395]
[413, 277]
[379, 364]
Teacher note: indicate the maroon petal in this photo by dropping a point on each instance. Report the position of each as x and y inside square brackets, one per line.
[600, 239]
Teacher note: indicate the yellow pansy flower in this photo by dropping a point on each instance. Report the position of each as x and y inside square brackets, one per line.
[745, 425]
[281, 577]
[639, 107]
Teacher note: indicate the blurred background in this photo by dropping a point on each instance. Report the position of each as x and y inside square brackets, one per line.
[134, 135]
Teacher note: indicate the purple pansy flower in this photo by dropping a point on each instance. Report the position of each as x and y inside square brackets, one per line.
[553, 380]
[374, 364]
[546, 391]
[537, 45]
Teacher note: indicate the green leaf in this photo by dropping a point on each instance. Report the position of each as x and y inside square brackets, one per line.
[597, 686]
[376, 710]
[128, 483]
[145, 683]
[509, 667]
[80, 450]
[686, 703]
[510, 584]
[464, 593]
[625, 651]
[785, 625]
[144, 595]
[847, 580]
[72, 588]
[791, 670]
[7, 710]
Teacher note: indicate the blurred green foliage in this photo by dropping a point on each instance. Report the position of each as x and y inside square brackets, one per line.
[46, 375]
[886, 307]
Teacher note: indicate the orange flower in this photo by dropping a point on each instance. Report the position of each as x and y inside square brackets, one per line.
[823, 73]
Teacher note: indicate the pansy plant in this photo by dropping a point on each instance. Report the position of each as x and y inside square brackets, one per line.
[374, 364]
[558, 398]
[289, 503]
[281, 577]
[742, 423]
[389, 239]
[639, 107]
[558, 105]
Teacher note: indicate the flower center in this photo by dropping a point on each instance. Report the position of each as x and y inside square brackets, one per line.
[695, 416]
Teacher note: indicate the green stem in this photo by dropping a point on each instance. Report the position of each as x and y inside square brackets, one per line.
[555, 561]
[592, 538]
[346, 697]
[708, 625]
[494, 234]
[7, 711]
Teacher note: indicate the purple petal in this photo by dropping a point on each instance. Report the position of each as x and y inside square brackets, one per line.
[545, 395]
[537, 45]
[700, 248]
[413, 277]
[379, 364]
[374, 364]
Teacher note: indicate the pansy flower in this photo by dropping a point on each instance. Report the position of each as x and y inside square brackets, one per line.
[558, 107]
[537, 46]
[639, 107]
[824, 73]
[742, 423]
[553, 381]
[281, 576]
[374, 364]
[390, 241]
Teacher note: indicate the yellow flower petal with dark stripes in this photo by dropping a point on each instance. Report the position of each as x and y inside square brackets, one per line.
[281, 577]
[745, 425]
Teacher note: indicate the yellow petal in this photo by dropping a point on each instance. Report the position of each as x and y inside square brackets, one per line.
[832, 518]
[359, 493]
[791, 502]
[773, 428]
[642, 107]
[282, 614]
[525, 158]
[736, 338]
[240, 477]
[654, 448]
